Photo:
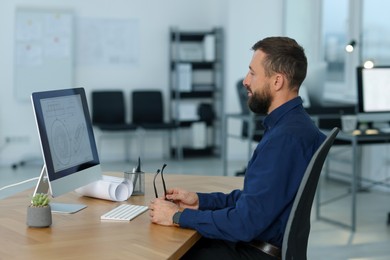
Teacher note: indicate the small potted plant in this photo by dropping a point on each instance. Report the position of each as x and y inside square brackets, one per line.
[39, 212]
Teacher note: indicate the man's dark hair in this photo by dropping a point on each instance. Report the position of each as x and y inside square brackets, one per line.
[283, 55]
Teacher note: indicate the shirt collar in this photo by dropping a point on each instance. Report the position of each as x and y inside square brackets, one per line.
[271, 119]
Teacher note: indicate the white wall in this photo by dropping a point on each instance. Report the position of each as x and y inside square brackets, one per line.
[304, 25]
[244, 21]
[248, 22]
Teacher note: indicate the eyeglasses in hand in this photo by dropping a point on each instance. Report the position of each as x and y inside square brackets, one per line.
[163, 181]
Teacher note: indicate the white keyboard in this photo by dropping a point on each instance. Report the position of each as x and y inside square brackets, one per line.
[124, 212]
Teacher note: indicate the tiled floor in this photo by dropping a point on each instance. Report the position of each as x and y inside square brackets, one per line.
[371, 241]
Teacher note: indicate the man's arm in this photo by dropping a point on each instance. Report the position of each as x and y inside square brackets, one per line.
[218, 200]
[263, 206]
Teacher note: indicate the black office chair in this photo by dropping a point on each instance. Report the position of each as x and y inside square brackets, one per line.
[298, 225]
[109, 114]
[148, 115]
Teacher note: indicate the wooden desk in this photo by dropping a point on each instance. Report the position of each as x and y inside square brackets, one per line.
[83, 236]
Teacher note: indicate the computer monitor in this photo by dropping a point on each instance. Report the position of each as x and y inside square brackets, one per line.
[67, 143]
[373, 89]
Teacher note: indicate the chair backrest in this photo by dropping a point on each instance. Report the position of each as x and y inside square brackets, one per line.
[298, 225]
[243, 100]
[147, 106]
[108, 107]
[242, 97]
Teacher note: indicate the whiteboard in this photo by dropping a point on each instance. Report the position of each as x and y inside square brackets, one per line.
[107, 42]
[43, 51]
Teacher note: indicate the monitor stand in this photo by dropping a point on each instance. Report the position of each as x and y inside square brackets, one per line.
[43, 187]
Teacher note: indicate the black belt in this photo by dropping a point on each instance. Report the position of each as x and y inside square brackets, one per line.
[267, 248]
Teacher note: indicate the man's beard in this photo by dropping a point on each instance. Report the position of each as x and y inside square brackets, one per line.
[259, 103]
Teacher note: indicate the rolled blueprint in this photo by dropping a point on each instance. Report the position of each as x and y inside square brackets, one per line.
[108, 188]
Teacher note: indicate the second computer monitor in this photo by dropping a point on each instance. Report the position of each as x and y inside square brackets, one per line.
[373, 94]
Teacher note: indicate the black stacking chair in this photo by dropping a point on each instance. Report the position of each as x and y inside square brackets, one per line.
[148, 115]
[298, 225]
[109, 115]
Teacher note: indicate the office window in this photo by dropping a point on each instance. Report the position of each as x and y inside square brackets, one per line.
[375, 32]
[340, 22]
[363, 21]
[335, 36]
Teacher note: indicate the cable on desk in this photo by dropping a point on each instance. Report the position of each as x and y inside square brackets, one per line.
[19, 183]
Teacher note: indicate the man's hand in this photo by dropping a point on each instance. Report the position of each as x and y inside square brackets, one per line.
[183, 198]
[161, 211]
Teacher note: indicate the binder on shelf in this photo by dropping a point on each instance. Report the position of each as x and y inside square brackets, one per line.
[184, 80]
[209, 47]
[188, 111]
[188, 51]
[199, 132]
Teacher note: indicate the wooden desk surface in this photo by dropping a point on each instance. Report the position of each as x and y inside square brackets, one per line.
[83, 236]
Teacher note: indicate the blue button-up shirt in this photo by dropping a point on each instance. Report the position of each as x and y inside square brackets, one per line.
[260, 210]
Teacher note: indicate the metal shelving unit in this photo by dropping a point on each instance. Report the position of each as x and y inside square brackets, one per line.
[196, 80]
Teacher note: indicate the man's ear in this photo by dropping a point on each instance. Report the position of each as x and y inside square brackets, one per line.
[278, 82]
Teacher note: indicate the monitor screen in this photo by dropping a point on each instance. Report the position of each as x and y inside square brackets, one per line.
[67, 139]
[373, 94]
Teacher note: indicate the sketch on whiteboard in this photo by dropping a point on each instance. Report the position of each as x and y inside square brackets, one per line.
[107, 42]
[42, 35]
[43, 50]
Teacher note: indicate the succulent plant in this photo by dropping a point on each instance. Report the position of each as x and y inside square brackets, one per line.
[40, 200]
